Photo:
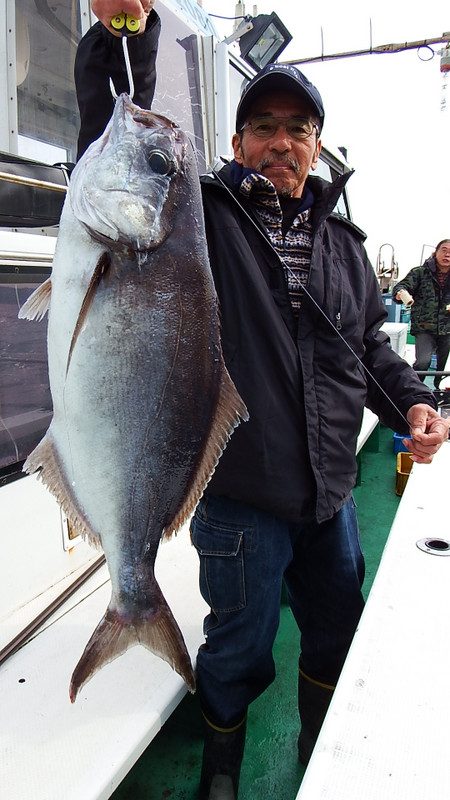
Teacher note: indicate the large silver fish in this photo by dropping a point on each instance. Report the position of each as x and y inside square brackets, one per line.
[143, 403]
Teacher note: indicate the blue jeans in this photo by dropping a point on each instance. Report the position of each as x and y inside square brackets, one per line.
[426, 344]
[244, 556]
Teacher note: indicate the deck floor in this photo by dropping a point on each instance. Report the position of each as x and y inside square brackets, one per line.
[169, 768]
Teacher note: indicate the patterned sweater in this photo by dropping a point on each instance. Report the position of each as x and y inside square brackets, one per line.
[295, 246]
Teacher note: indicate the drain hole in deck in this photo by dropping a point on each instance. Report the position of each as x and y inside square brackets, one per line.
[437, 547]
[437, 544]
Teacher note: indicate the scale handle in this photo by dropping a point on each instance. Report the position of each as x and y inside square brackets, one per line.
[125, 24]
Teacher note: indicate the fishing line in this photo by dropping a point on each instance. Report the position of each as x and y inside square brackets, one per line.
[310, 297]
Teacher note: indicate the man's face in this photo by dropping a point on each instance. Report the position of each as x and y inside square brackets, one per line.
[282, 159]
[442, 256]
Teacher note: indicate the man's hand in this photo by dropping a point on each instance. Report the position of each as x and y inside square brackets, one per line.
[105, 10]
[404, 297]
[428, 431]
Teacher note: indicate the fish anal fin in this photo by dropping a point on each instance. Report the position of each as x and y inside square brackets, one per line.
[38, 302]
[101, 267]
[230, 411]
[44, 460]
[115, 634]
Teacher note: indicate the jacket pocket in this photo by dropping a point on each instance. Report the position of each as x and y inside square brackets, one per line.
[344, 311]
[221, 556]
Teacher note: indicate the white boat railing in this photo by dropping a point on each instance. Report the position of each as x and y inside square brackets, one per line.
[385, 732]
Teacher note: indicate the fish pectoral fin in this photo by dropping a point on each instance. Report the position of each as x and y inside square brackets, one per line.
[38, 303]
[158, 632]
[44, 460]
[102, 266]
[230, 411]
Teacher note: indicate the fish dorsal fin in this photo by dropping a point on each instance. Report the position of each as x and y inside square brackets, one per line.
[44, 459]
[38, 303]
[101, 267]
[229, 412]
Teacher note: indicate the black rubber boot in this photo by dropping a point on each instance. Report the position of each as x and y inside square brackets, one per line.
[222, 759]
[313, 700]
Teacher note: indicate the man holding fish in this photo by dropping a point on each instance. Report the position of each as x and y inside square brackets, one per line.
[300, 313]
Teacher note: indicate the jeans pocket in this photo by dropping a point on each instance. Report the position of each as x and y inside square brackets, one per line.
[221, 556]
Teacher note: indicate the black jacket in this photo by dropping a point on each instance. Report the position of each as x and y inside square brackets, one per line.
[304, 389]
[100, 57]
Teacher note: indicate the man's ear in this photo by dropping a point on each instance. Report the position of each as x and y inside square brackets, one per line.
[316, 154]
[237, 148]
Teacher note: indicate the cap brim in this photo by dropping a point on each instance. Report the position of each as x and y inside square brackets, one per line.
[268, 83]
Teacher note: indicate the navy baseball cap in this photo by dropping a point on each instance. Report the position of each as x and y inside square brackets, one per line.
[279, 77]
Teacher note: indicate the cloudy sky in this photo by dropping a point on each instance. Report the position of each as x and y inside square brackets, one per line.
[385, 109]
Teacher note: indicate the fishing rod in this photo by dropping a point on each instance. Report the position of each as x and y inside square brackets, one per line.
[311, 298]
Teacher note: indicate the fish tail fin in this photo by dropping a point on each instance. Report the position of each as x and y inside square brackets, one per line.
[163, 637]
[158, 632]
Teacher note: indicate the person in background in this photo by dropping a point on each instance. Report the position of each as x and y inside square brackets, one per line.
[428, 288]
[279, 505]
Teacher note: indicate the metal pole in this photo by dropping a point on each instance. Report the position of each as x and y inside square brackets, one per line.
[24, 634]
[383, 48]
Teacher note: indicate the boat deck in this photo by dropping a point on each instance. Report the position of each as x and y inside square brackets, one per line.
[53, 750]
[138, 699]
[384, 735]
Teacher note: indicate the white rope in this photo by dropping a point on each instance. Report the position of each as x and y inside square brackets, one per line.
[129, 72]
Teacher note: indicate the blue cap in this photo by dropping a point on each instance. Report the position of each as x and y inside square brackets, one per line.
[279, 77]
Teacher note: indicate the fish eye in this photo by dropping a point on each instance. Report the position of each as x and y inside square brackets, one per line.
[160, 163]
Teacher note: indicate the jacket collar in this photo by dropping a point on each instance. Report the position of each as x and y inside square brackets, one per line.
[431, 264]
[324, 194]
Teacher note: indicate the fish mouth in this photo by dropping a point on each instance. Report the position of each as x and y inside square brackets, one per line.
[126, 113]
[124, 107]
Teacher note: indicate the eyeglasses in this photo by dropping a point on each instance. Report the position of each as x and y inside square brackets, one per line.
[297, 128]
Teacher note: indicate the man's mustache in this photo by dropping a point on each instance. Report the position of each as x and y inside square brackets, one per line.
[275, 162]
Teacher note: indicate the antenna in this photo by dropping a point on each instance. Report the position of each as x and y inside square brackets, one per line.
[445, 69]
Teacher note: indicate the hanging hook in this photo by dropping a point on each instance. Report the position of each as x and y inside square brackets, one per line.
[127, 26]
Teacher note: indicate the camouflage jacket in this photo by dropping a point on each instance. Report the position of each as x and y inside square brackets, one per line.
[429, 313]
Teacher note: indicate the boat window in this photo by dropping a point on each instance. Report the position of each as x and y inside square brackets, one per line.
[25, 401]
[46, 41]
[178, 91]
[324, 170]
[341, 206]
